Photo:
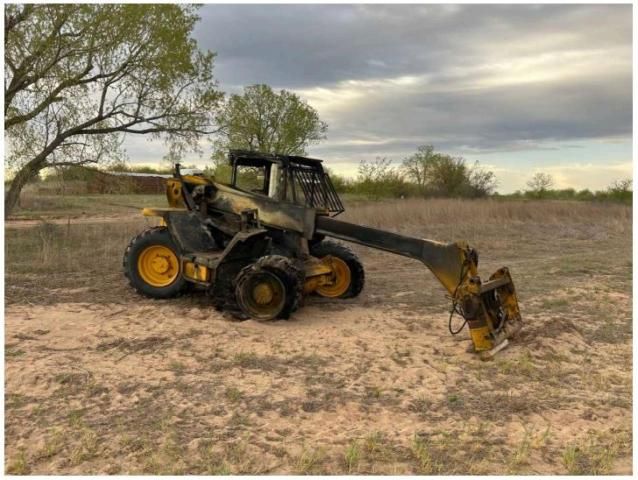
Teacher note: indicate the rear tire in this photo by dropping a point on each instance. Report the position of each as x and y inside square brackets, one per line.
[270, 288]
[347, 256]
[152, 265]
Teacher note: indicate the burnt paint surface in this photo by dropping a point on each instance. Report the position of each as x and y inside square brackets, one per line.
[189, 231]
[272, 213]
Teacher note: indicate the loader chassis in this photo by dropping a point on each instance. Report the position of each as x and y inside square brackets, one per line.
[261, 243]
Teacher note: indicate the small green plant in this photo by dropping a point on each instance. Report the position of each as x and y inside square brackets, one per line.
[570, 459]
[420, 405]
[374, 392]
[541, 440]
[374, 442]
[239, 419]
[233, 394]
[220, 468]
[588, 460]
[212, 462]
[520, 456]
[523, 365]
[18, 466]
[352, 457]
[13, 352]
[177, 367]
[75, 418]
[455, 401]
[421, 451]
[377, 448]
[52, 445]
[167, 457]
[246, 360]
[87, 448]
[309, 461]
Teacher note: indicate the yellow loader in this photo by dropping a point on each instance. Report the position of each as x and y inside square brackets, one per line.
[259, 244]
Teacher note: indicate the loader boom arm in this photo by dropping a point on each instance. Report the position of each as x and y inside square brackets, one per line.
[447, 261]
[489, 308]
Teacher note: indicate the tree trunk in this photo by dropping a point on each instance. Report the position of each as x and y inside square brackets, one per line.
[26, 173]
[31, 169]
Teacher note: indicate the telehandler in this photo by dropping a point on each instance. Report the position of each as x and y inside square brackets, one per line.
[259, 244]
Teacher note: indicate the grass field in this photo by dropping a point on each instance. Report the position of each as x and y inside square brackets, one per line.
[73, 206]
[37, 206]
[100, 380]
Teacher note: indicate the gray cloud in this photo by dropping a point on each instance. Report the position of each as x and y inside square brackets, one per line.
[295, 46]
[469, 79]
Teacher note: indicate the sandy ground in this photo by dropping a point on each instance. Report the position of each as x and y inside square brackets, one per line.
[100, 380]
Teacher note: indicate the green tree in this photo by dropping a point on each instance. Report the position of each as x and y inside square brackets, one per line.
[586, 195]
[418, 167]
[378, 178]
[539, 185]
[449, 176]
[481, 182]
[440, 174]
[620, 190]
[263, 120]
[79, 76]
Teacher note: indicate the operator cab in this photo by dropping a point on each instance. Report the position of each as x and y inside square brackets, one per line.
[285, 178]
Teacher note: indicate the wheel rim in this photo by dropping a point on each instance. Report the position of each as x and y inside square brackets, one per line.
[158, 266]
[262, 295]
[342, 278]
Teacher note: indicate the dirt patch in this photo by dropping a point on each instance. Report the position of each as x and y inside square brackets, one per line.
[268, 392]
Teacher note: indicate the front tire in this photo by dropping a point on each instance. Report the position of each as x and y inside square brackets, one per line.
[348, 270]
[152, 264]
[270, 288]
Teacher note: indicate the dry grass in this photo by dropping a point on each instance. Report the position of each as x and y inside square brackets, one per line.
[91, 248]
[409, 213]
[38, 206]
[594, 454]
[62, 257]
[100, 380]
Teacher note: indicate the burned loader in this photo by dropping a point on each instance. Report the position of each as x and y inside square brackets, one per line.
[259, 244]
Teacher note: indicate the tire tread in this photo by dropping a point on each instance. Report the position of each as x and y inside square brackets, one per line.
[128, 263]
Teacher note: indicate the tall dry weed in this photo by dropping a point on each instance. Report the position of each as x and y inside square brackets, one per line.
[71, 248]
[405, 213]
[99, 247]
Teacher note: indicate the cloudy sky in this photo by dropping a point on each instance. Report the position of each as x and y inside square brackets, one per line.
[519, 88]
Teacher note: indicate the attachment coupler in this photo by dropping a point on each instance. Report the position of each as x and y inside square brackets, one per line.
[491, 311]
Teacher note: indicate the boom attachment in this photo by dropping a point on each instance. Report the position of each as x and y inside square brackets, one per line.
[490, 308]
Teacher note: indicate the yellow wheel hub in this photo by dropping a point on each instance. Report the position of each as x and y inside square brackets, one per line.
[263, 293]
[158, 266]
[342, 277]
